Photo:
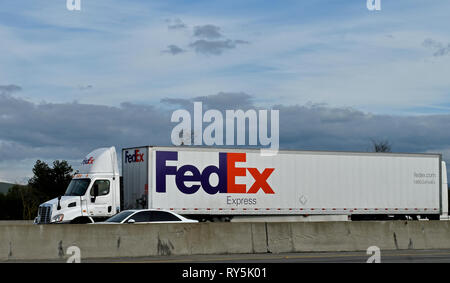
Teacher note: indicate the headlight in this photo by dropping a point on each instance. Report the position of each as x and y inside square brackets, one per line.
[58, 218]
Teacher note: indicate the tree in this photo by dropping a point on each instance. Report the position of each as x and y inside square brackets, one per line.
[30, 203]
[22, 202]
[381, 146]
[14, 205]
[48, 183]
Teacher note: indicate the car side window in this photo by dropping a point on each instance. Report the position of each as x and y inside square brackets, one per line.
[103, 187]
[162, 216]
[143, 216]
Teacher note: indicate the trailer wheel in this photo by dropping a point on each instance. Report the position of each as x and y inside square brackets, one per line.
[433, 217]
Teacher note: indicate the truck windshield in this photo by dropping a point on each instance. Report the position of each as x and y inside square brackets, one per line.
[77, 187]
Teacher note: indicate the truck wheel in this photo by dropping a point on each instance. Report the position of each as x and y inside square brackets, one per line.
[81, 220]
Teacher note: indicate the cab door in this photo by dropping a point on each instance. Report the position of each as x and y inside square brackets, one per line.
[100, 198]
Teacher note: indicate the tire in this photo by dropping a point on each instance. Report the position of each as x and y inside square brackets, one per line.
[81, 220]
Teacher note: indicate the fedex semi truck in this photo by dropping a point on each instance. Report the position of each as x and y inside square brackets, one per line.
[219, 183]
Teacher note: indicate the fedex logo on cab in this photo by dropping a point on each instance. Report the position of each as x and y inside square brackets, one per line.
[88, 161]
[227, 171]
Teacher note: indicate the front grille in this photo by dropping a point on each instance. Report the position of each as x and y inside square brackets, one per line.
[44, 214]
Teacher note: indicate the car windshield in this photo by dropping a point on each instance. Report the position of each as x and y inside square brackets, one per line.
[120, 216]
[77, 187]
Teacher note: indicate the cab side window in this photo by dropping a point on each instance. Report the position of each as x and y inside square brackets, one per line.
[103, 187]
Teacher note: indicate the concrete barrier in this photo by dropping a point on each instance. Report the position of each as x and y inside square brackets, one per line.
[34, 242]
[10, 222]
[358, 236]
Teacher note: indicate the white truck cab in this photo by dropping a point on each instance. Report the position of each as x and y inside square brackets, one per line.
[93, 193]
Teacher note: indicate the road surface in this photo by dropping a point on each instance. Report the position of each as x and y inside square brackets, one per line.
[399, 256]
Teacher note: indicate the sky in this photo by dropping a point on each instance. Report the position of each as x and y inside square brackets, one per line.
[113, 72]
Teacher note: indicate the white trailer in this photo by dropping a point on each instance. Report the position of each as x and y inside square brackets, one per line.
[229, 182]
[208, 183]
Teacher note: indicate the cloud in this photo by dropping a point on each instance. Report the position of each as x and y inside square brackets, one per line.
[5, 89]
[174, 50]
[441, 49]
[207, 31]
[85, 87]
[241, 41]
[215, 47]
[175, 24]
[220, 101]
[319, 127]
[207, 42]
[68, 131]
[431, 43]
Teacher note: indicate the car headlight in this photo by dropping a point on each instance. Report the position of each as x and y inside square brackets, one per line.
[58, 218]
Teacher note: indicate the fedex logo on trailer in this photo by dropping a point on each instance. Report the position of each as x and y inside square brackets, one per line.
[134, 158]
[227, 173]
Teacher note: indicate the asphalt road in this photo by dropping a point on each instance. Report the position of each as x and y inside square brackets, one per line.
[399, 256]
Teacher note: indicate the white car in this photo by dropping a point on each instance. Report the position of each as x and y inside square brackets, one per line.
[147, 216]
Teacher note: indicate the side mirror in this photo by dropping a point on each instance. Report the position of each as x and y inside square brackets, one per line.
[95, 190]
[93, 198]
[131, 221]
